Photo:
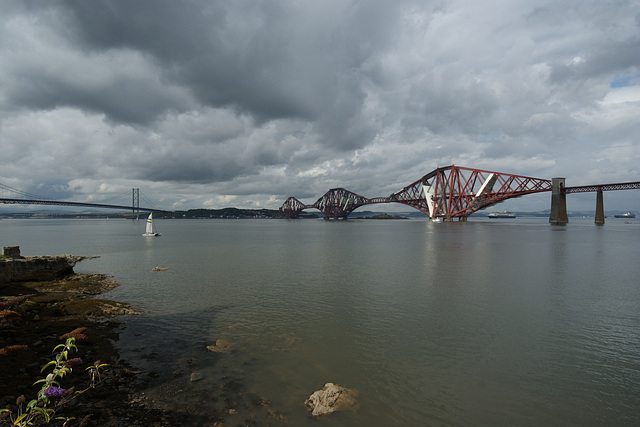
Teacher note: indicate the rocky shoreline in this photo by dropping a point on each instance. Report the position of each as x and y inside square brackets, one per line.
[17, 268]
[44, 318]
[37, 315]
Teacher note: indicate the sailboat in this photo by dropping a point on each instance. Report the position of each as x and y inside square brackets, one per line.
[150, 231]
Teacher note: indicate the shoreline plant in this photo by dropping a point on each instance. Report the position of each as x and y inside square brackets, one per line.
[51, 395]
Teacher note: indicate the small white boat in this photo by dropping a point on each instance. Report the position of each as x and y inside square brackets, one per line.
[436, 219]
[150, 231]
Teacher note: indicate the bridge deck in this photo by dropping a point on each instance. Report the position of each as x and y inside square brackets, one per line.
[603, 187]
[61, 203]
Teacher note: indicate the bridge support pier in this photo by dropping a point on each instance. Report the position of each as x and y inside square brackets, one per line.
[599, 220]
[558, 214]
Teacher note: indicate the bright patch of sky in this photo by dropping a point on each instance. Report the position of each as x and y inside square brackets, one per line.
[626, 81]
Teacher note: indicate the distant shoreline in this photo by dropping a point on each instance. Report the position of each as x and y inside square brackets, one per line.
[237, 213]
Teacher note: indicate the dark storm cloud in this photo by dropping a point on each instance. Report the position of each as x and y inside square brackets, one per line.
[269, 59]
[135, 99]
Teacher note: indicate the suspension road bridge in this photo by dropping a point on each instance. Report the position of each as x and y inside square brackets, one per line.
[456, 192]
[19, 197]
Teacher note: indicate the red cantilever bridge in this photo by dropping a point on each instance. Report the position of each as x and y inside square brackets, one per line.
[447, 192]
[455, 192]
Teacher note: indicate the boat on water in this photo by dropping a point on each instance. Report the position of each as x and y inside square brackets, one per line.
[505, 214]
[150, 230]
[625, 215]
[436, 219]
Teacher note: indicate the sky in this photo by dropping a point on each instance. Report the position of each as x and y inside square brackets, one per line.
[211, 104]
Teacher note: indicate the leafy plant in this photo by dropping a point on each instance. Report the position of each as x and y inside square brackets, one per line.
[45, 404]
[94, 372]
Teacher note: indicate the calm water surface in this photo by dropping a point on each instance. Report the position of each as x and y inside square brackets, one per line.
[489, 322]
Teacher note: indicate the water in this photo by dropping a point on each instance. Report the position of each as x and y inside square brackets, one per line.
[489, 322]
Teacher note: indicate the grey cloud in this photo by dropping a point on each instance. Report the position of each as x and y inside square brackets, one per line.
[605, 60]
[243, 62]
[125, 99]
[456, 107]
[270, 60]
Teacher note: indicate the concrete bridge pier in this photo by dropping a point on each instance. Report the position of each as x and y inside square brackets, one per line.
[558, 215]
[599, 208]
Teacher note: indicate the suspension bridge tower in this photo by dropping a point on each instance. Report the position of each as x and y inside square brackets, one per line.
[135, 203]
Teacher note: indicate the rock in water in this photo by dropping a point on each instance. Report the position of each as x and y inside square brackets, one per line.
[221, 346]
[36, 268]
[331, 398]
[196, 376]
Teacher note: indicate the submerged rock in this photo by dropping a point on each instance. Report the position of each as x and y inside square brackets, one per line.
[196, 376]
[331, 398]
[221, 346]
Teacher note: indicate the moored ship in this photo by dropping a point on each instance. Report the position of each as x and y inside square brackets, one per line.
[505, 214]
[625, 215]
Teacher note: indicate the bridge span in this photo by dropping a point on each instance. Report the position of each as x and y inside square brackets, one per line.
[558, 213]
[35, 200]
[455, 192]
[447, 192]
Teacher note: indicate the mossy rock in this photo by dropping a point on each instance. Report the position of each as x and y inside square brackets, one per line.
[30, 305]
[77, 284]
[95, 308]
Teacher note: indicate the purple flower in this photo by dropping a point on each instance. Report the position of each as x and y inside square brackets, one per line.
[54, 391]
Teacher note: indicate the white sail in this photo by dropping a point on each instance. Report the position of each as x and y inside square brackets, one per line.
[149, 232]
[149, 224]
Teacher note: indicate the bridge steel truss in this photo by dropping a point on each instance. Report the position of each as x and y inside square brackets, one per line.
[292, 207]
[447, 192]
[457, 192]
[336, 203]
[602, 187]
[339, 203]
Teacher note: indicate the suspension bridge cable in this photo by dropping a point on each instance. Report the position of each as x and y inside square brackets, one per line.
[122, 196]
[146, 199]
[23, 193]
